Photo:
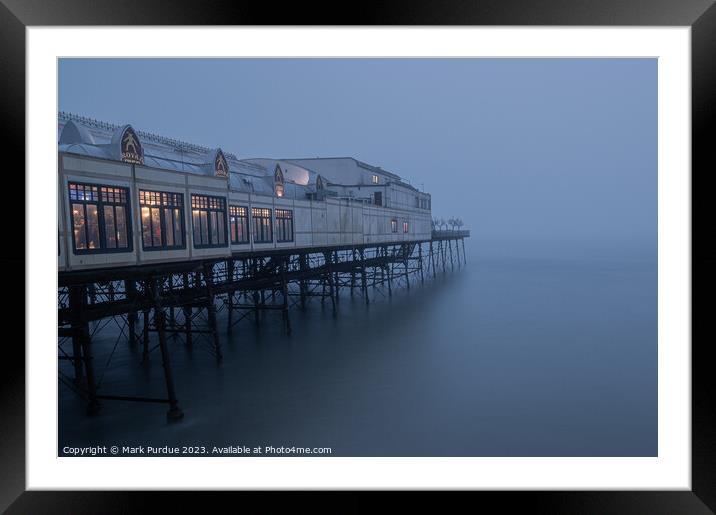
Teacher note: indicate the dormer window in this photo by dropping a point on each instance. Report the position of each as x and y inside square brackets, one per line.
[374, 179]
[278, 181]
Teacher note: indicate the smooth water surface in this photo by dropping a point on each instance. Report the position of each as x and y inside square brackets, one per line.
[530, 350]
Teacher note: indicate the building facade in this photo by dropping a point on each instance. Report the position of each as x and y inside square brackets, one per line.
[129, 198]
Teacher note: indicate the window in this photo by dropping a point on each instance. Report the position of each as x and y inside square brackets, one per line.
[162, 220]
[239, 224]
[405, 226]
[208, 216]
[279, 190]
[394, 225]
[417, 201]
[374, 179]
[284, 225]
[378, 198]
[100, 219]
[262, 224]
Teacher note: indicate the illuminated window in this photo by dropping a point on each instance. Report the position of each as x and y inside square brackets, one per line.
[239, 224]
[100, 219]
[394, 225]
[208, 216]
[279, 190]
[374, 179]
[261, 220]
[162, 215]
[405, 226]
[284, 225]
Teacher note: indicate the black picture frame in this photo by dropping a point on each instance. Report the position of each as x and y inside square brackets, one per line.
[700, 15]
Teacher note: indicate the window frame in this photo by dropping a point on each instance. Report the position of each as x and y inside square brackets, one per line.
[101, 224]
[406, 227]
[394, 225]
[210, 229]
[269, 225]
[284, 221]
[247, 226]
[162, 219]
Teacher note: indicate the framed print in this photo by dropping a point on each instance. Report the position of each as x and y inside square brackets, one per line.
[401, 255]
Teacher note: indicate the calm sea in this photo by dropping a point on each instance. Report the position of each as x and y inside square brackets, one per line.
[532, 349]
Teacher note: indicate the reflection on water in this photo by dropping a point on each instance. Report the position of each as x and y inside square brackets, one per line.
[521, 353]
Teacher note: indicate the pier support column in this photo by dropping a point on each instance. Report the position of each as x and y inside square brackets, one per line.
[464, 258]
[284, 289]
[363, 279]
[256, 296]
[130, 287]
[145, 332]
[336, 279]
[420, 262]
[174, 412]
[432, 258]
[211, 308]
[329, 273]
[406, 252]
[187, 312]
[75, 303]
[303, 266]
[389, 270]
[82, 346]
[230, 279]
[452, 264]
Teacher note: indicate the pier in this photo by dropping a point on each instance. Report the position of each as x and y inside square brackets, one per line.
[151, 303]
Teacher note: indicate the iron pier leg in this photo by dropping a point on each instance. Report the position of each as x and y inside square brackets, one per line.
[464, 258]
[331, 288]
[363, 280]
[420, 261]
[405, 264]
[353, 272]
[145, 334]
[254, 271]
[230, 279]
[76, 302]
[256, 307]
[336, 279]
[457, 254]
[187, 312]
[131, 288]
[432, 258]
[93, 404]
[389, 268]
[174, 412]
[303, 265]
[211, 308]
[82, 345]
[284, 285]
[452, 264]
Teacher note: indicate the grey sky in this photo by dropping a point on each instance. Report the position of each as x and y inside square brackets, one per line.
[523, 148]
